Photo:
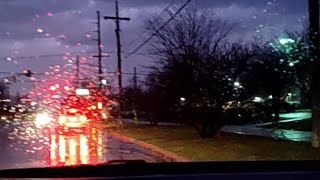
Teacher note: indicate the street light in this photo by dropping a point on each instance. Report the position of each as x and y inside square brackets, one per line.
[182, 99]
[104, 81]
[284, 41]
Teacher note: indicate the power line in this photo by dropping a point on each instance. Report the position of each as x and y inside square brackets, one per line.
[157, 31]
[132, 73]
[12, 73]
[163, 11]
[9, 58]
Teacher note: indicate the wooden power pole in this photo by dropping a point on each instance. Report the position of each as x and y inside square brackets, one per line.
[315, 84]
[117, 20]
[77, 71]
[135, 78]
[99, 46]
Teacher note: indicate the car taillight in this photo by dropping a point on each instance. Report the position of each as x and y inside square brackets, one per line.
[104, 115]
[73, 119]
[62, 119]
[83, 118]
[99, 105]
[73, 110]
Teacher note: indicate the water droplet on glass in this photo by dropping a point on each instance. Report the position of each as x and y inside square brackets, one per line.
[50, 14]
[40, 30]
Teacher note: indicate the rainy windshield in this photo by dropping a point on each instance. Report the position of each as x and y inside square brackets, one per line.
[86, 82]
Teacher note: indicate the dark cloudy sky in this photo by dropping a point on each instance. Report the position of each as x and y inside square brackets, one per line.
[67, 27]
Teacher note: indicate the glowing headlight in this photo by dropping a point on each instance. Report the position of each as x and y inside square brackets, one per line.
[42, 119]
[62, 119]
[83, 118]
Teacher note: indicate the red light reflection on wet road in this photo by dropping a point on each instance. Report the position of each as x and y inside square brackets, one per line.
[69, 149]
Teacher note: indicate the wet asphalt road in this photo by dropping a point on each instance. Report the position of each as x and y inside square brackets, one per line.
[24, 145]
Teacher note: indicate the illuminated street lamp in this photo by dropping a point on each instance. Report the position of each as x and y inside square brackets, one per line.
[284, 41]
[182, 99]
[289, 98]
[104, 81]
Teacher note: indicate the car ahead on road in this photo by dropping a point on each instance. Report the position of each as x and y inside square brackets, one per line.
[73, 113]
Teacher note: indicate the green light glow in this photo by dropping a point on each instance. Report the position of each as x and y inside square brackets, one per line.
[284, 41]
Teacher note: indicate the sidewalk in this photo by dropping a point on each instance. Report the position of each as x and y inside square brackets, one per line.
[290, 135]
[131, 121]
[288, 117]
[284, 134]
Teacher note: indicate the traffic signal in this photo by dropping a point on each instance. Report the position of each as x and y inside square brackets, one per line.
[27, 73]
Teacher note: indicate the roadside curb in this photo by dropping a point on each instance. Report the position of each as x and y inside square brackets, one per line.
[168, 156]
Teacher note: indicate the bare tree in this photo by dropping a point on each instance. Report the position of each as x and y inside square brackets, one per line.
[197, 65]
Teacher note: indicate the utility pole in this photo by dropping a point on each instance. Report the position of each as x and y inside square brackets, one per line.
[77, 71]
[315, 84]
[99, 46]
[117, 21]
[135, 80]
[135, 84]
[99, 49]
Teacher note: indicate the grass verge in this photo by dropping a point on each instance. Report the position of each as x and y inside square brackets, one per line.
[224, 147]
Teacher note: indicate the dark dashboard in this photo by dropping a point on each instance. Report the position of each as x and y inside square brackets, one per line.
[262, 170]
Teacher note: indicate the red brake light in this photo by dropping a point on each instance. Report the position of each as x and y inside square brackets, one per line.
[83, 118]
[53, 88]
[66, 88]
[73, 110]
[99, 105]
